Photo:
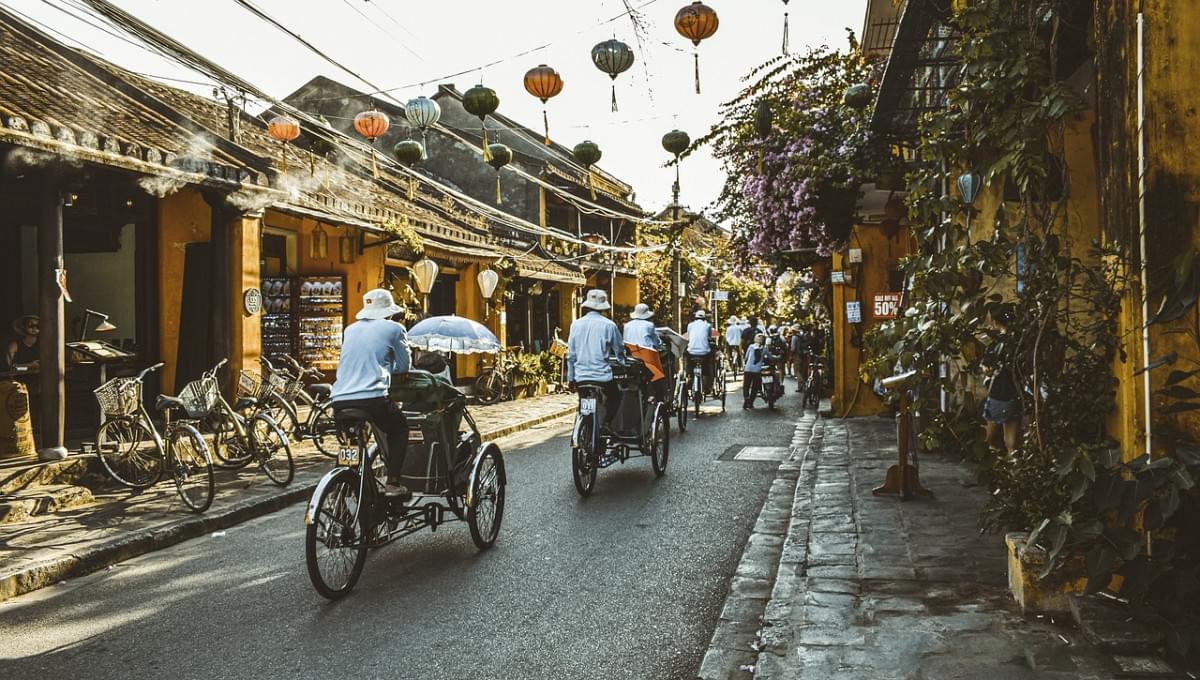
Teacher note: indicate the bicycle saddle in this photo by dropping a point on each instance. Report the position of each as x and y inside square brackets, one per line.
[164, 403]
[244, 403]
[351, 416]
[320, 389]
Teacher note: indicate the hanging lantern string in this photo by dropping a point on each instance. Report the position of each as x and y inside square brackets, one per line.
[614, 96]
[546, 123]
[696, 54]
[785, 32]
[499, 198]
[487, 154]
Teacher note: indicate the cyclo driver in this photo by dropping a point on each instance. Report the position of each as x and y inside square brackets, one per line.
[373, 349]
[699, 337]
[593, 340]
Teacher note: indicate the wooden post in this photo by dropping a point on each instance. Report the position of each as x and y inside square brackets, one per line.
[52, 359]
[903, 478]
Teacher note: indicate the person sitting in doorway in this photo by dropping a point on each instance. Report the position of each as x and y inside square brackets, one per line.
[22, 352]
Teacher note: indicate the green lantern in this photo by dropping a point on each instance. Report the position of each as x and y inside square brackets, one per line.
[499, 156]
[857, 96]
[587, 153]
[676, 142]
[481, 102]
[409, 151]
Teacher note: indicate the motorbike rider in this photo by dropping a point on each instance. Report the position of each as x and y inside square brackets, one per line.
[699, 337]
[593, 340]
[375, 348]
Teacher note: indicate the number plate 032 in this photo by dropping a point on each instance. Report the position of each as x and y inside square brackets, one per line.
[348, 457]
[767, 380]
[587, 406]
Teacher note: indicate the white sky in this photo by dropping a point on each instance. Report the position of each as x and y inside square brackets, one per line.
[423, 41]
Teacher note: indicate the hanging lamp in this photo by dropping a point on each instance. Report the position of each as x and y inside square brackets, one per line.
[372, 125]
[857, 96]
[481, 102]
[614, 58]
[785, 27]
[283, 129]
[423, 113]
[501, 156]
[697, 22]
[676, 142]
[587, 153]
[544, 83]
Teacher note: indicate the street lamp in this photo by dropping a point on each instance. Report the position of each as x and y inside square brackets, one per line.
[969, 184]
[425, 273]
[488, 280]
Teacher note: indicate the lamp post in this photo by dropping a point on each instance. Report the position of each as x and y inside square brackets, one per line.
[425, 273]
[676, 142]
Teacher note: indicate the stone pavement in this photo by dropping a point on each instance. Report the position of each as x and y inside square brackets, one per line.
[859, 586]
[123, 524]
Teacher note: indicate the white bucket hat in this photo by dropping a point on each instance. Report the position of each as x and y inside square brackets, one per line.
[701, 314]
[597, 300]
[732, 321]
[378, 304]
[642, 311]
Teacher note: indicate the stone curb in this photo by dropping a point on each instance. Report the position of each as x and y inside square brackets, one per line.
[738, 637]
[31, 577]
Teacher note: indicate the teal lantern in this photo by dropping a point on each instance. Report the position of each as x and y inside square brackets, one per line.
[676, 142]
[409, 151]
[481, 102]
[857, 96]
[587, 153]
[499, 156]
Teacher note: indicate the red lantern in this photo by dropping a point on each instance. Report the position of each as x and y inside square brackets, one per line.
[283, 129]
[372, 125]
[697, 22]
[544, 83]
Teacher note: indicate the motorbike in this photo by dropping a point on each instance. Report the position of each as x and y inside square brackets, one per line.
[772, 384]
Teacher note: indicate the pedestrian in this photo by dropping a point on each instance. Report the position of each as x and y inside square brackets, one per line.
[374, 351]
[749, 332]
[22, 352]
[757, 356]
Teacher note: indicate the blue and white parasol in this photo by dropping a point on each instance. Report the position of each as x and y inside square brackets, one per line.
[453, 334]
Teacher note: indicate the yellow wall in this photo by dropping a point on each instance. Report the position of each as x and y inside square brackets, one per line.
[469, 303]
[880, 254]
[625, 291]
[183, 218]
[245, 250]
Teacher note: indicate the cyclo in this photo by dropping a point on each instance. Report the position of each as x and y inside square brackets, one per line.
[641, 424]
[452, 473]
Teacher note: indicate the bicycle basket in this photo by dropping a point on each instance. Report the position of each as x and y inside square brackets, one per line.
[200, 396]
[559, 348]
[293, 390]
[119, 396]
[250, 384]
[276, 382]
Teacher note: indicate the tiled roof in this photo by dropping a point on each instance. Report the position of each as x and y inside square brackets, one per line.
[52, 98]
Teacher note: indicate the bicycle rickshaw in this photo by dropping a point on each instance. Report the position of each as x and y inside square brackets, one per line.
[674, 349]
[452, 473]
[642, 424]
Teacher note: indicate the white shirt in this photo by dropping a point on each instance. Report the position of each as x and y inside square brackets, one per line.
[699, 335]
[733, 336]
[641, 332]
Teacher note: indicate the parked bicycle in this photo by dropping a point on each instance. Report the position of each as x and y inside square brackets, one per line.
[135, 454]
[244, 432]
[304, 411]
[498, 381]
[814, 383]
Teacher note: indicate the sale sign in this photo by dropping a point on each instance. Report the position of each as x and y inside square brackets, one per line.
[887, 305]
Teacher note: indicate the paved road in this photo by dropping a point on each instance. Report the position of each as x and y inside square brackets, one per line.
[627, 583]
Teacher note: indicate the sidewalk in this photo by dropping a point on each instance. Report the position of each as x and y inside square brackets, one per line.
[859, 586]
[120, 525]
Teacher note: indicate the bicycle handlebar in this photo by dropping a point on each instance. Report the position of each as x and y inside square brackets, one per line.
[150, 369]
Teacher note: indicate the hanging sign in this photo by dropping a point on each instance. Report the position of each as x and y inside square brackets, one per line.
[720, 296]
[854, 312]
[887, 305]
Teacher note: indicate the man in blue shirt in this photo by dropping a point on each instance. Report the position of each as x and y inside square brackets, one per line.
[699, 336]
[373, 349]
[594, 339]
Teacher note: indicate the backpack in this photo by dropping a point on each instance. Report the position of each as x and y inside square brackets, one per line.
[778, 347]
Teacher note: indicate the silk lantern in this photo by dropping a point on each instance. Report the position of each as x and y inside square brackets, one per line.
[614, 58]
[544, 83]
[697, 22]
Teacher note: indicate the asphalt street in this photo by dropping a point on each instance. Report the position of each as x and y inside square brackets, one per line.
[627, 583]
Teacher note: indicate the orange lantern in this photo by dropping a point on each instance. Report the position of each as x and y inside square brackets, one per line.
[372, 125]
[284, 129]
[544, 83]
[697, 22]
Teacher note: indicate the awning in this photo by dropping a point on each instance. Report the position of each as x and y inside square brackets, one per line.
[532, 266]
[459, 253]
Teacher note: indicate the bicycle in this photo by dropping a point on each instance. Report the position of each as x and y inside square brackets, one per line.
[244, 432]
[135, 454]
[814, 384]
[498, 381]
[291, 395]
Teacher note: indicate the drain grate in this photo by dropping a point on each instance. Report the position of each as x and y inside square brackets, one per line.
[757, 454]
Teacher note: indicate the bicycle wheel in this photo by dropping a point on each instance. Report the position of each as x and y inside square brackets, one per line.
[681, 406]
[489, 387]
[487, 499]
[271, 449]
[323, 429]
[335, 545]
[283, 413]
[191, 467]
[230, 449]
[583, 468]
[660, 447]
[697, 394]
[129, 451]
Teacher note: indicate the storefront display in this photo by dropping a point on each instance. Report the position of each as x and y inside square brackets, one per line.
[322, 308]
[278, 331]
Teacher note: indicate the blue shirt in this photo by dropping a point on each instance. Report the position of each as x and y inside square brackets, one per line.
[699, 335]
[641, 332]
[372, 350]
[757, 357]
[594, 338]
[733, 336]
